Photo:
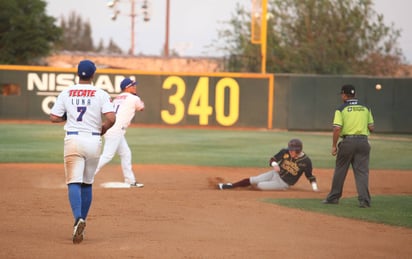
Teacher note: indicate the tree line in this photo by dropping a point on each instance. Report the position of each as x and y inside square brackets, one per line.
[310, 36]
[28, 34]
[315, 36]
[77, 36]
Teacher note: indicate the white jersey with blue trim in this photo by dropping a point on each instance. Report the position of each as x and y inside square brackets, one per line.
[84, 105]
[126, 105]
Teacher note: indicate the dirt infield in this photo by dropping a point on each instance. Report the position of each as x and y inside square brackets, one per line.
[178, 215]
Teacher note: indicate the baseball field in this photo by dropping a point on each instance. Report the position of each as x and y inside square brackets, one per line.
[180, 213]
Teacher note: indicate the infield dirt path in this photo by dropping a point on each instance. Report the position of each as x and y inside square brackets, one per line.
[178, 215]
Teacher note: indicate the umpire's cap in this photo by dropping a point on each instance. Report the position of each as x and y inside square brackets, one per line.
[295, 145]
[86, 69]
[348, 89]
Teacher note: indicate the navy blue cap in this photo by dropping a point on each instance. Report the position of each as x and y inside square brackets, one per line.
[86, 69]
[127, 82]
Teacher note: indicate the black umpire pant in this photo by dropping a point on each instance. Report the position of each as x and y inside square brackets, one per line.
[355, 151]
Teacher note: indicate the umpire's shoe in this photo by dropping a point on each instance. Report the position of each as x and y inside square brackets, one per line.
[333, 201]
[364, 204]
[78, 230]
[224, 186]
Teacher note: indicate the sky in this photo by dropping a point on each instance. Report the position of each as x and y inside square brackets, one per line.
[193, 24]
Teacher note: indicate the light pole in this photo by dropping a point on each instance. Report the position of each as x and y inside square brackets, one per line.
[133, 15]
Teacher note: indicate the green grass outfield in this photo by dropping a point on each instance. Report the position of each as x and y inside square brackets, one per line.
[43, 143]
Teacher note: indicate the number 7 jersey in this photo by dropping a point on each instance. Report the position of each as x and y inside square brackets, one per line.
[84, 105]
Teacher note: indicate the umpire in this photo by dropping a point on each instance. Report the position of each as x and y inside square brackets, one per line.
[353, 122]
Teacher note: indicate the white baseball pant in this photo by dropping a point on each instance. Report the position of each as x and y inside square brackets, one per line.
[116, 143]
[269, 181]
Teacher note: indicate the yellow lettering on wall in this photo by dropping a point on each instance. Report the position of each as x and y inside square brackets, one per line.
[233, 90]
[199, 103]
[175, 100]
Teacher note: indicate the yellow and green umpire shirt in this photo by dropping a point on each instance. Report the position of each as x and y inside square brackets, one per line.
[353, 118]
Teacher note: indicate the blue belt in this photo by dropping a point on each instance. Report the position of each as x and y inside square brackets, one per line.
[77, 133]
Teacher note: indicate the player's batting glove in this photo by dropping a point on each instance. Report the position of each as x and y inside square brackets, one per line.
[314, 184]
[272, 159]
[315, 187]
[275, 166]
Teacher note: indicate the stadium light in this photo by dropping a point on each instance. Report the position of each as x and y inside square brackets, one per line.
[111, 3]
[146, 17]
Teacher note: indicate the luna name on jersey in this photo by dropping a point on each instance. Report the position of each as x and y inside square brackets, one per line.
[81, 93]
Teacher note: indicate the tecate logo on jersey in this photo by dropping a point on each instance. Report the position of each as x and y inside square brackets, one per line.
[51, 84]
[82, 93]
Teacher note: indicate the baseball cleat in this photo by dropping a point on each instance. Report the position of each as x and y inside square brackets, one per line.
[224, 186]
[136, 185]
[78, 231]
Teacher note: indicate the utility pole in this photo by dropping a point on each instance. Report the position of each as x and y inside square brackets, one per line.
[166, 47]
[133, 17]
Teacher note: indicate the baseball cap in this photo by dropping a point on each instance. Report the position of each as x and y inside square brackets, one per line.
[348, 89]
[127, 82]
[86, 69]
[295, 145]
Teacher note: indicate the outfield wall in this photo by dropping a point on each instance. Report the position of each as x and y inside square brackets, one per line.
[282, 101]
[181, 99]
[308, 102]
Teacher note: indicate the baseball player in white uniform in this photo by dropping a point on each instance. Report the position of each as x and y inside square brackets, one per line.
[82, 106]
[126, 104]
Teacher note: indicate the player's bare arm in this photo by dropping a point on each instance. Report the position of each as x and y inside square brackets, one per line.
[110, 119]
[57, 119]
